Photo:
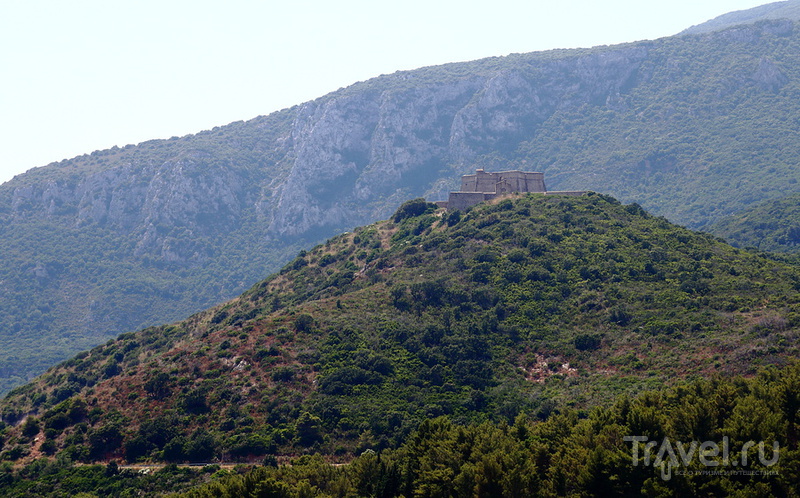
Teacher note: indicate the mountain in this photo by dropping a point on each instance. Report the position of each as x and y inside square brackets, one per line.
[779, 10]
[524, 305]
[693, 128]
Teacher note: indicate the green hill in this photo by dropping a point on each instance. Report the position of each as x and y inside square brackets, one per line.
[523, 306]
[694, 128]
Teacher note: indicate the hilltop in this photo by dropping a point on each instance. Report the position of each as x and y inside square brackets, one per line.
[524, 305]
[694, 128]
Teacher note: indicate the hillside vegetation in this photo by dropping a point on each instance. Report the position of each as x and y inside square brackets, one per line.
[523, 306]
[574, 455]
[769, 226]
[694, 128]
[571, 453]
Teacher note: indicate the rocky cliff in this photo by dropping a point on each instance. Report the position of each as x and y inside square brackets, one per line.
[351, 156]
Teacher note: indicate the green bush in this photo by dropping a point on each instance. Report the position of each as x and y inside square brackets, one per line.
[411, 209]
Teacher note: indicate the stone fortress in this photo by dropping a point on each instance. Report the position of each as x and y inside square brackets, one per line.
[484, 186]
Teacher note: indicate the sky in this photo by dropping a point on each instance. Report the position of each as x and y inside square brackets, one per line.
[84, 75]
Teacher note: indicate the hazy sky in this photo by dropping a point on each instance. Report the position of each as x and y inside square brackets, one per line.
[82, 75]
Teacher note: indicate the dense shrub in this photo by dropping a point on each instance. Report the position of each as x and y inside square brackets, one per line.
[412, 208]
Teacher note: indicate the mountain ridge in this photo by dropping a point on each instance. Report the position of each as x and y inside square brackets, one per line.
[169, 227]
[789, 9]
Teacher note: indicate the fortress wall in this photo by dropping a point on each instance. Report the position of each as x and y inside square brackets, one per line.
[485, 182]
[568, 192]
[534, 182]
[463, 200]
[517, 181]
[469, 183]
[483, 186]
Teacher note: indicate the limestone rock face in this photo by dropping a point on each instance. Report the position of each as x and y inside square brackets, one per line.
[357, 156]
[345, 159]
[132, 199]
[350, 157]
[769, 76]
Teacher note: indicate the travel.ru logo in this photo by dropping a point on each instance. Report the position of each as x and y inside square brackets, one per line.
[668, 455]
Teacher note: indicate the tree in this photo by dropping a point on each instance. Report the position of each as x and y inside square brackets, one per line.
[105, 439]
[308, 429]
[303, 322]
[158, 385]
[31, 427]
[194, 402]
[201, 447]
[412, 208]
[174, 449]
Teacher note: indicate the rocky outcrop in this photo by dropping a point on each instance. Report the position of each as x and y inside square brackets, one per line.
[147, 201]
[769, 76]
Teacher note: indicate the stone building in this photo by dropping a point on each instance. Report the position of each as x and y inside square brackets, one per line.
[484, 186]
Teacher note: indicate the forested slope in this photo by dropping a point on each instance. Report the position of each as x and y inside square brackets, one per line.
[578, 454]
[769, 226]
[523, 306]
